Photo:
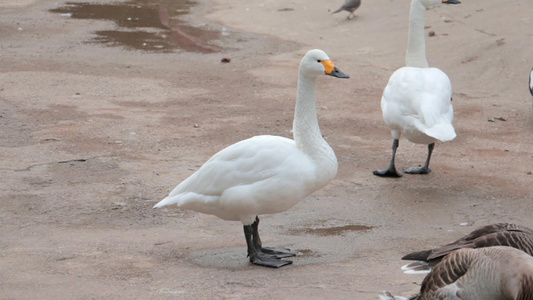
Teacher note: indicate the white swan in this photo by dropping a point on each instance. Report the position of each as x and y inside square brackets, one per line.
[492, 273]
[266, 174]
[417, 100]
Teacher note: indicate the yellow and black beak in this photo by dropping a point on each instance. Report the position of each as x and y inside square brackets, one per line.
[332, 70]
[451, 1]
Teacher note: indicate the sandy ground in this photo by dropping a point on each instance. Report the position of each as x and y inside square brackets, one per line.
[93, 136]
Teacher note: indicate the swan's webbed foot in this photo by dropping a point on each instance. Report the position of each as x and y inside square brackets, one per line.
[417, 170]
[390, 172]
[266, 260]
[264, 256]
[277, 253]
[273, 252]
[425, 168]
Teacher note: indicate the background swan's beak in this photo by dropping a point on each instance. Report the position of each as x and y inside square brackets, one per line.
[337, 73]
[451, 1]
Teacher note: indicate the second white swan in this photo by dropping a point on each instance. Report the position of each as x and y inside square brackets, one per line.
[417, 101]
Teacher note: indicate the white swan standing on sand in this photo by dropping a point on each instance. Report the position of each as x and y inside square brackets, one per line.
[417, 100]
[266, 174]
[492, 273]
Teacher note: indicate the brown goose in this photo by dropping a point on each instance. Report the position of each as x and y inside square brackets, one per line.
[492, 273]
[499, 234]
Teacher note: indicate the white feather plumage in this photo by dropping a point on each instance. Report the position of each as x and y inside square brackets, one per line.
[261, 175]
[416, 103]
[266, 174]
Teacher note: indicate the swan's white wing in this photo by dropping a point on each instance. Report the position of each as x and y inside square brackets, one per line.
[417, 103]
[263, 174]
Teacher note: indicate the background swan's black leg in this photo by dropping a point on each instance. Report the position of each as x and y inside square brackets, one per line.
[391, 171]
[258, 257]
[277, 253]
[425, 168]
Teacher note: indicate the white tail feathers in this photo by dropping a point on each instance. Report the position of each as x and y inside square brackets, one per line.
[443, 132]
[417, 267]
[167, 201]
[388, 296]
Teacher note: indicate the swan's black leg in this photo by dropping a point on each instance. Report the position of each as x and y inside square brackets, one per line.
[391, 171]
[258, 257]
[277, 253]
[425, 168]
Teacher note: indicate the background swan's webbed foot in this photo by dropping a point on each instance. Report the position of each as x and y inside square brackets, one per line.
[387, 173]
[418, 170]
[425, 168]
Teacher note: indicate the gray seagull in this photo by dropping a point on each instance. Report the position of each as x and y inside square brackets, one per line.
[350, 6]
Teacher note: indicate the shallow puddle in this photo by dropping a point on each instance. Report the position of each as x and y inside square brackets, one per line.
[307, 253]
[327, 231]
[149, 25]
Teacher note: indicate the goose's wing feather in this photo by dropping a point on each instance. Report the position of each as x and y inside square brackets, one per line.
[418, 255]
[515, 239]
[419, 100]
[246, 173]
[500, 234]
[505, 234]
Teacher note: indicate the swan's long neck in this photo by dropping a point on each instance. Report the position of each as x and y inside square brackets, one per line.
[416, 44]
[306, 131]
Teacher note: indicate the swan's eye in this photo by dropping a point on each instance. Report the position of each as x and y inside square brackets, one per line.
[318, 60]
